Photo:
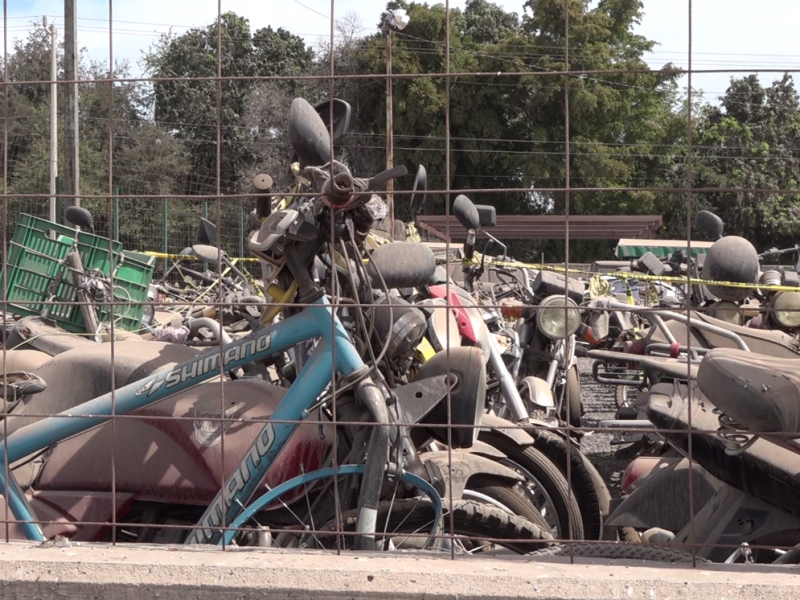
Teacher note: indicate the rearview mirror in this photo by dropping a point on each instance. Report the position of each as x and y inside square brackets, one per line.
[650, 263]
[419, 191]
[206, 232]
[308, 135]
[487, 215]
[466, 213]
[80, 217]
[710, 224]
[341, 117]
[208, 254]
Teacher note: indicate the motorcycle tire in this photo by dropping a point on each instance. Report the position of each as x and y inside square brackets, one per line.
[505, 496]
[620, 552]
[573, 397]
[547, 475]
[588, 487]
[469, 519]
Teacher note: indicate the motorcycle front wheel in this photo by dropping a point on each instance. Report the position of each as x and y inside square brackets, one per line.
[404, 525]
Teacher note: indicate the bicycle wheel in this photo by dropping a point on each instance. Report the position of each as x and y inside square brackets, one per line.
[545, 485]
[476, 527]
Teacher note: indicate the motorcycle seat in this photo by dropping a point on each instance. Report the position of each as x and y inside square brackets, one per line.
[84, 373]
[765, 470]
[760, 393]
[761, 341]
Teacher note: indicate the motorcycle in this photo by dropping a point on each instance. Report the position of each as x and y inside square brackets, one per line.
[143, 445]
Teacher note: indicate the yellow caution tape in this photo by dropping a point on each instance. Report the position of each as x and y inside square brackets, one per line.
[632, 275]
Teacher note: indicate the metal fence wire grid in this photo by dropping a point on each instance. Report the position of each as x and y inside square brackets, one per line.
[464, 281]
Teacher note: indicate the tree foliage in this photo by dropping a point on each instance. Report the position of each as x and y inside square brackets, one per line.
[185, 96]
[751, 141]
[504, 118]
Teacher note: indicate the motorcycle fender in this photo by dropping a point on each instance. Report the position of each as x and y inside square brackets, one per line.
[514, 433]
[660, 500]
[732, 518]
[486, 450]
[538, 391]
[450, 474]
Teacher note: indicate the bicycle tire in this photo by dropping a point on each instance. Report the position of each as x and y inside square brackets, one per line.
[548, 475]
[619, 552]
[470, 519]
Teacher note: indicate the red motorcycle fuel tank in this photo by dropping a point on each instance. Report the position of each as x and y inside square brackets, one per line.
[172, 451]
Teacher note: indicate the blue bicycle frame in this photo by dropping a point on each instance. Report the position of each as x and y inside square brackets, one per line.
[335, 353]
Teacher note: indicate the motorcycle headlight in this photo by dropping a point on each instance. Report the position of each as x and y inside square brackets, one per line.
[557, 317]
[787, 309]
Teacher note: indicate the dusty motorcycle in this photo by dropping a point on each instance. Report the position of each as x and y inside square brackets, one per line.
[156, 469]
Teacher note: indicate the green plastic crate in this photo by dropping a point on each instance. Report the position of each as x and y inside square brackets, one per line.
[36, 274]
[131, 284]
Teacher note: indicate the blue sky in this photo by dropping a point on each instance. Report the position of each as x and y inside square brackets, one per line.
[728, 34]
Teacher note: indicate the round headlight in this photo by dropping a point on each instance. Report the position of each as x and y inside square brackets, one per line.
[787, 309]
[557, 317]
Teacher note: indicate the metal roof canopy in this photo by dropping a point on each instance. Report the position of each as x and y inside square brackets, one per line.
[552, 227]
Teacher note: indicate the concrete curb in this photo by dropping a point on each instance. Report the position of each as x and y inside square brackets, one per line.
[167, 573]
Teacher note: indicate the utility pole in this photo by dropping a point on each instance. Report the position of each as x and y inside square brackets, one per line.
[389, 129]
[53, 122]
[72, 171]
[394, 19]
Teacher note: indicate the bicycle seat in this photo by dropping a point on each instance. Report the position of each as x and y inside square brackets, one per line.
[761, 393]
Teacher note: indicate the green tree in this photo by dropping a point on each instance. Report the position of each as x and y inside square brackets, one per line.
[509, 131]
[146, 158]
[752, 141]
[188, 108]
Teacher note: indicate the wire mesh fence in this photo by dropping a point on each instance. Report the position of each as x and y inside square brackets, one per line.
[323, 358]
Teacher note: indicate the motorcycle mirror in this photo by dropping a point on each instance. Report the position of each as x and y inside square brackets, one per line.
[710, 224]
[206, 232]
[466, 213]
[341, 117]
[208, 254]
[80, 217]
[650, 263]
[308, 135]
[487, 215]
[419, 191]
[262, 182]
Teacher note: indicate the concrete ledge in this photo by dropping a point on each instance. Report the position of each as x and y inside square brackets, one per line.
[128, 573]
